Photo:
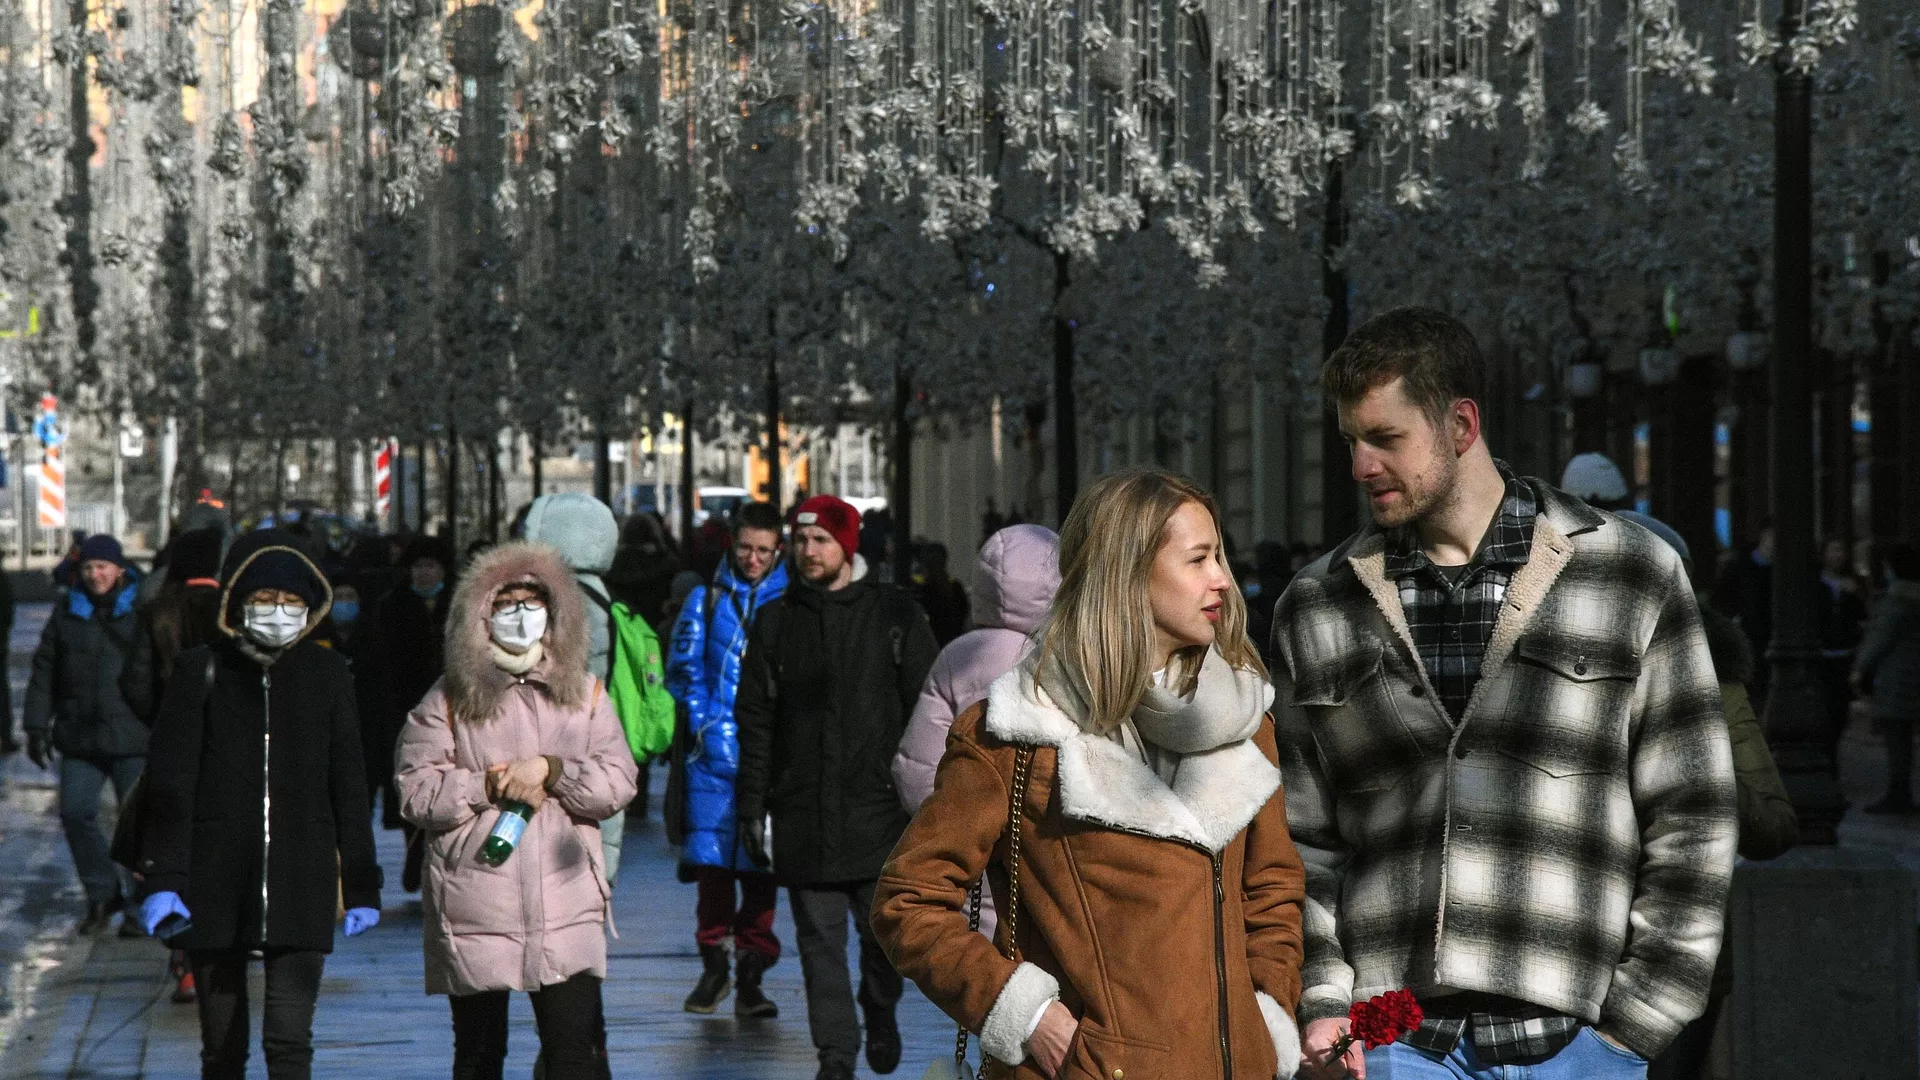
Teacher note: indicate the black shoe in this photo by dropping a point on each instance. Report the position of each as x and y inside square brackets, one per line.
[99, 917]
[1892, 804]
[714, 984]
[748, 1001]
[883, 1041]
[834, 1071]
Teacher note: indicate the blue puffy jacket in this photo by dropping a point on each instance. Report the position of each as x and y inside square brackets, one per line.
[703, 673]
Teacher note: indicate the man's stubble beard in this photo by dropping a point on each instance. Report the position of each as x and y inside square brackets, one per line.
[1426, 494]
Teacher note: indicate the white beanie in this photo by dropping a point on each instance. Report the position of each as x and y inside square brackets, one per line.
[1595, 478]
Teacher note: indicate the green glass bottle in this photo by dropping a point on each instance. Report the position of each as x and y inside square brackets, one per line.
[506, 832]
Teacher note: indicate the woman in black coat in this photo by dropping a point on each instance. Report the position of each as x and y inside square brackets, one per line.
[256, 814]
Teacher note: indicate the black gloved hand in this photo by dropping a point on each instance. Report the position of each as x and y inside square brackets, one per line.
[40, 747]
[753, 837]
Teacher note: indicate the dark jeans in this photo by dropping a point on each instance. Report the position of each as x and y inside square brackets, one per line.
[573, 1031]
[820, 922]
[748, 921]
[80, 782]
[286, 1035]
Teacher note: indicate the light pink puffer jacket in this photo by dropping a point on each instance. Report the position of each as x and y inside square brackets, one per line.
[1020, 567]
[542, 916]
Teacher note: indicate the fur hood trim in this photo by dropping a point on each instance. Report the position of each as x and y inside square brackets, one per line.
[1215, 793]
[474, 682]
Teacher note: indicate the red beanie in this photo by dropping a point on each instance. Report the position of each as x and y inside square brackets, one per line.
[837, 516]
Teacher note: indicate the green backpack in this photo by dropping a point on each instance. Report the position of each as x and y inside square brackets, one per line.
[637, 681]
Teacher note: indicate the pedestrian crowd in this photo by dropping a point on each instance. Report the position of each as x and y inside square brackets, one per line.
[1118, 806]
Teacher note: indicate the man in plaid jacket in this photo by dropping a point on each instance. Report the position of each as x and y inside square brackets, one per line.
[1505, 761]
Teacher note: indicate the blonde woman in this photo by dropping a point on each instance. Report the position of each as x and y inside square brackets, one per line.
[1151, 918]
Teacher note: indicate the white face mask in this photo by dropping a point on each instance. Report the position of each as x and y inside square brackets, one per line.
[518, 627]
[275, 625]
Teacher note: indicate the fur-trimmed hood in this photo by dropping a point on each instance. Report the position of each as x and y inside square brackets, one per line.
[474, 682]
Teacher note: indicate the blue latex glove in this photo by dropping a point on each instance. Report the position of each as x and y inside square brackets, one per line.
[361, 919]
[155, 909]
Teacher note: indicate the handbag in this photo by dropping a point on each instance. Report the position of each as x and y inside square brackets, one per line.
[958, 1068]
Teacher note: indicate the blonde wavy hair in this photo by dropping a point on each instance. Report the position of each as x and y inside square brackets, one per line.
[1099, 634]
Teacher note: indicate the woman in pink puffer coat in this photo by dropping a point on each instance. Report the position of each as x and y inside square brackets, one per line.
[517, 718]
[1019, 573]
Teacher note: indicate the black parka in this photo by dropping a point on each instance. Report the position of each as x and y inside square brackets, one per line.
[211, 821]
[404, 655]
[826, 687]
[75, 687]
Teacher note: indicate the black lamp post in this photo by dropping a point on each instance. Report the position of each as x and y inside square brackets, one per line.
[1797, 723]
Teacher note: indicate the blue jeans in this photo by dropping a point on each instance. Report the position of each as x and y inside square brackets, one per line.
[1587, 1057]
[80, 782]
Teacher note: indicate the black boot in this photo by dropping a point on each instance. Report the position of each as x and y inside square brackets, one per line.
[99, 917]
[748, 1001]
[713, 986]
[883, 1041]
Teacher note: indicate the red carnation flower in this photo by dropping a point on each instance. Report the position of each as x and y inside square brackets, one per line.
[1379, 1022]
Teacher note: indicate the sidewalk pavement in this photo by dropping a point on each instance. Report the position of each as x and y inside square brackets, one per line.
[103, 1009]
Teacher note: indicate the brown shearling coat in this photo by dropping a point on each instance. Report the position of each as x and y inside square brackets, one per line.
[1166, 919]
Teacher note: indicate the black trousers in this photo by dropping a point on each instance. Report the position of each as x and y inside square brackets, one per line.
[568, 1015]
[820, 923]
[293, 985]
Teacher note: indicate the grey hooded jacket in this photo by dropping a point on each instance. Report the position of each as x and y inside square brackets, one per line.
[582, 529]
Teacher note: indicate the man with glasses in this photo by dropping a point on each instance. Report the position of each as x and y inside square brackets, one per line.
[703, 673]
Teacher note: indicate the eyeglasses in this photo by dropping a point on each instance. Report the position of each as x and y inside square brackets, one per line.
[529, 604]
[295, 609]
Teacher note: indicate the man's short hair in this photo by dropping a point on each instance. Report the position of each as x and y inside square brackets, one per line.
[1432, 351]
[757, 515]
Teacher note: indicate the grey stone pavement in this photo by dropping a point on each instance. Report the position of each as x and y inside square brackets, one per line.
[84, 1009]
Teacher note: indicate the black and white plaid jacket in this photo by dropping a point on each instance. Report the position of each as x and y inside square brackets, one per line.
[1570, 842]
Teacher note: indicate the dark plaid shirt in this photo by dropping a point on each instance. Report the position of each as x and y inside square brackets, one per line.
[1451, 613]
[1505, 1031]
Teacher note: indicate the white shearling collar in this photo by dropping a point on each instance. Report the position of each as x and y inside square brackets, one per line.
[1214, 794]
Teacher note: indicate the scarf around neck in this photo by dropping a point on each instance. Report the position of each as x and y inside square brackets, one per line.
[517, 665]
[1225, 707]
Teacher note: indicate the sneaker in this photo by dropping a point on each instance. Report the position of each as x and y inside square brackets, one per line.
[183, 991]
[883, 1041]
[714, 984]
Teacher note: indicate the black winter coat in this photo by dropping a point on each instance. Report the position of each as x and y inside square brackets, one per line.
[203, 832]
[75, 688]
[826, 687]
[404, 655]
[184, 617]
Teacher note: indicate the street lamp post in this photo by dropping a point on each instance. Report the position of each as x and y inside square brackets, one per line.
[1801, 732]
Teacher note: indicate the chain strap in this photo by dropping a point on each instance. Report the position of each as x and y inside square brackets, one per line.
[973, 927]
[1022, 761]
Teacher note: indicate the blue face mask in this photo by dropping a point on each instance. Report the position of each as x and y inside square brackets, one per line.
[429, 593]
[345, 610]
